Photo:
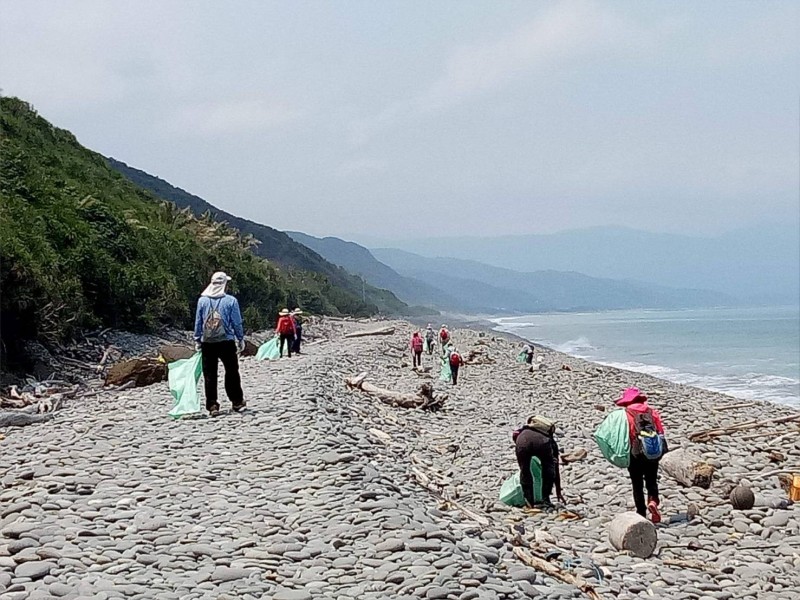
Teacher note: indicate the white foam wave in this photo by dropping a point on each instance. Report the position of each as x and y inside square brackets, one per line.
[578, 347]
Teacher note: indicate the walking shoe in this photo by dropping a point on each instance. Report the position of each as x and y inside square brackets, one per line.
[213, 412]
[655, 515]
[239, 407]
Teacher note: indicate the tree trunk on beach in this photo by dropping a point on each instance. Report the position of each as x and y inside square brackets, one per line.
[687, 469]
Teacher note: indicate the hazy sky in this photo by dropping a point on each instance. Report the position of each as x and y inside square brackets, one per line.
[417, 118]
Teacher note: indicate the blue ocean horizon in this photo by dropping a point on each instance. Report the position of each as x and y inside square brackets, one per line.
[748, 353]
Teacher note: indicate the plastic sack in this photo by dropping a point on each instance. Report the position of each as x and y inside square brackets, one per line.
[269, 350]
[183, 378]
[446, 374]
[522, 357]
[614, 439]
[511, 491]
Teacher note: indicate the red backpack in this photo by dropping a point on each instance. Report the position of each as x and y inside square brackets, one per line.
[455, 359]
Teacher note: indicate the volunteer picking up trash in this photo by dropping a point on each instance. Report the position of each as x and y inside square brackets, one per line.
[536, 439]
[219, 336]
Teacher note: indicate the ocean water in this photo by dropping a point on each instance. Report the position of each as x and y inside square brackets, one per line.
[749, 353]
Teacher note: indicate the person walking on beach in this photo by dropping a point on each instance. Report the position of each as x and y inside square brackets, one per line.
[219, 336]
[527, 350]
[444, 337]
[536, 439]
[430, 339]
[416, 344]
[648, 444]
[286, 331]
[455, 363]
[297, 317]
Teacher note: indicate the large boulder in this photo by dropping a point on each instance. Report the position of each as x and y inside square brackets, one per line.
[250, 349]
[142, 371]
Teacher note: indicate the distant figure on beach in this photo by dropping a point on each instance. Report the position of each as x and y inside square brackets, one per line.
[416, 345]
[430, 339]
[286, 331]
[297, 317]
[219, 335]
[536, 439]
[527, 349]
[444, 337]
[455, 363]
[648, 444]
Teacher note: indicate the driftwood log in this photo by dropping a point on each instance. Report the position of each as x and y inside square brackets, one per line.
[556, 572]
[21, 419]
[706, 435]
[366, 332]
[631, 532]
[687, 469]
[423, 399]
[172, 352]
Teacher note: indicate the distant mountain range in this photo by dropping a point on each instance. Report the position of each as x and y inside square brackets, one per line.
[760, 263]
[470, 286]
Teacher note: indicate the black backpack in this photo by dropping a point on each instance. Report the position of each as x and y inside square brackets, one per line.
[646, 441]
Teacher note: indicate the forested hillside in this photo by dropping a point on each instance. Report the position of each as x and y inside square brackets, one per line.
[81, 246]
[274, 245]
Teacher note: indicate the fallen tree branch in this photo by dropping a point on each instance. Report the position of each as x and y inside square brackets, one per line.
[423, 399]
[22, 419]
[556, 572]
[706, 435]
[366, 332]
[734, 406]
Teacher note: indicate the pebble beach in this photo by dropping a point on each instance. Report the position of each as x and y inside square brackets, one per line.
[317, 490]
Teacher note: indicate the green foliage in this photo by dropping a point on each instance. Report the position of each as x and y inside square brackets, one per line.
[81, 246]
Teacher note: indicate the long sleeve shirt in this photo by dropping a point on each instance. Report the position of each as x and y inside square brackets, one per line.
[228, 308]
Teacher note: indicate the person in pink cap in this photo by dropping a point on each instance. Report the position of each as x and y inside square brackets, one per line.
[648, 444]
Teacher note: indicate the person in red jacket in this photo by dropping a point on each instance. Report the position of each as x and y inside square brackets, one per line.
[416, 346]
[444, 337]
[455, 363]
[643, 471]
[286, 330]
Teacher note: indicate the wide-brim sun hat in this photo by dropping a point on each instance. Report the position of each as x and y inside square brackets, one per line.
[284, 312]
[297, 311]
[629, 395]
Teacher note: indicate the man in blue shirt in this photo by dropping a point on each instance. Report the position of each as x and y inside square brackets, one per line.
[219, 335]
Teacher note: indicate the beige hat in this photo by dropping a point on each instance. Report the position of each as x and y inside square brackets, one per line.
[284, 312]
[297, 311]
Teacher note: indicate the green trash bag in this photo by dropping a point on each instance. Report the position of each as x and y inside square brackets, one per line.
[511, 491]
[522, 357]
[269, 350]
[613, 437]
[183, 378]
[446, 374]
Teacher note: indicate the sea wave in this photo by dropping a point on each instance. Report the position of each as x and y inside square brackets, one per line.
[579, 347]
[748, 386]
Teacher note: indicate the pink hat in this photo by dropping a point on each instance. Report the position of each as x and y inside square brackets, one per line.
[629, 396]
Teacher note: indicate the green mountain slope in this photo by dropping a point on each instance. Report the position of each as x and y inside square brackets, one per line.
[274, 245]
[82, 246]
[359, 260]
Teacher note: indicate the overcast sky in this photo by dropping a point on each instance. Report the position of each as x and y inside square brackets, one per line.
[409, 118]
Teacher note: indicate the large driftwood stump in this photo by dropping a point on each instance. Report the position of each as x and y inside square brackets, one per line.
[687, 469]
[632, 532]
[423, 399]
[140, 371]
[366, 332]
[172, 352]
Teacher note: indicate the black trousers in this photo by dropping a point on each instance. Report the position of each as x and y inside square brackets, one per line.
[212, 354]
[644, 473]
[288, 339]
[529, 358]
[417, 358]
[528, 446]
[297, 339]
[454, 371]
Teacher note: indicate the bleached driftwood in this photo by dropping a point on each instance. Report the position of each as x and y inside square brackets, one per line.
[706, 435]
[366, 332]
[631, 532]
[556, 572]
[687, 469]
[21, 419]
[423, 399]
